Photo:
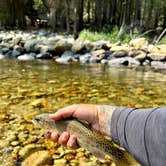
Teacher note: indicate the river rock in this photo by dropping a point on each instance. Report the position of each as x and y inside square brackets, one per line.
[45, 55]
[9, 53]
[5, 50]
[127, 61]
[157, 49]
[66, 57]
[94, 59]
[104, 61]
[146, 62]
[39, 158]
[2, 56]
[63, 60]
[85, 58]
[26, 57]
[139, 43]
[120, 54]
[60, 162]
[62, 46]
[139, 55]
[30, 45]
[16, 40]
[115, 48]
[157, 56]
[7, 39]
[15, 53]
[158, 65]
[98, 45]
[19, 49]
[98, 53]
[29, 149]
[78, 47]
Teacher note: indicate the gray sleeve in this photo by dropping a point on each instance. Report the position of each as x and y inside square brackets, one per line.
[142, 132]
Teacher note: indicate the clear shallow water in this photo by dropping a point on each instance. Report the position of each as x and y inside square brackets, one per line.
[24, 82]
[29, 88]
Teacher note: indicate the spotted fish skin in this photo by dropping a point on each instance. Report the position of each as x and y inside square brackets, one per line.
[91, 140]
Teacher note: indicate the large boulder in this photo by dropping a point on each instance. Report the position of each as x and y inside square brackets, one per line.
[139, 43]
[62, 46]
[30, 45]
[66, 57]
[78, 47]
[126, 61]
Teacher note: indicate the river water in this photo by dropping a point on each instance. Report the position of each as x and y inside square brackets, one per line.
[29, 88]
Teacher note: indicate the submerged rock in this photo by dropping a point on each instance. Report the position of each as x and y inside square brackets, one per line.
[39, 158]
[29, 149]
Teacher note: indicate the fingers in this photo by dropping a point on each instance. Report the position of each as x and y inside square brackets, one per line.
[63, 113]
[54, 136]
[64, 139]
[72, 142]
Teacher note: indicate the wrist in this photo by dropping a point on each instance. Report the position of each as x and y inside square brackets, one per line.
[105, 113]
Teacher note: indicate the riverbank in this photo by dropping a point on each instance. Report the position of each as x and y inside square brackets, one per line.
[65, 49]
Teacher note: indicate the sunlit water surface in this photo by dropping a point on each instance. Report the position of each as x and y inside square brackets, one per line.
[29, 88]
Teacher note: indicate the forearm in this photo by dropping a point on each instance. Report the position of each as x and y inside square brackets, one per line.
[141, 132]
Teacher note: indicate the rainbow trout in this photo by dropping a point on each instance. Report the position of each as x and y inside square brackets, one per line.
[93, 141]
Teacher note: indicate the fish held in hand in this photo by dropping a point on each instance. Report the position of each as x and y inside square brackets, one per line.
[91, 140]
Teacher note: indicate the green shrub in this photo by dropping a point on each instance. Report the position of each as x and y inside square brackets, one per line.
[107, 36]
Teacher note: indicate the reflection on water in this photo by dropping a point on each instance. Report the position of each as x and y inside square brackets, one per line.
[29, 88]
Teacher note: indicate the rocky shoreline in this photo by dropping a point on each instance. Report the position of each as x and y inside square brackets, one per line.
[64, 49]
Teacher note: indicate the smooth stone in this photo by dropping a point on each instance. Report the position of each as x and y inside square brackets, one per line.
[7, 39]
[127, 61]
[67, 54]
[16, 40]
[64, 60]
[139, 43]
[5, 50]
[146, 62]
[85, 58]
[77, 47]
[39, 158]
[60, 162]
[61, 46]
[158, 65]
[9, 53]
[29, 149]
[15, 53]
[20, 49]
[2, 56]
[98, 53]
[157, 56]
[94, 59]
[26, 57]
[45, 55]
[30, 44]
[15, 143]
[120, 54]
[104, 61]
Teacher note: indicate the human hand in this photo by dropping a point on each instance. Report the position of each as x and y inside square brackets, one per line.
[97, 116]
